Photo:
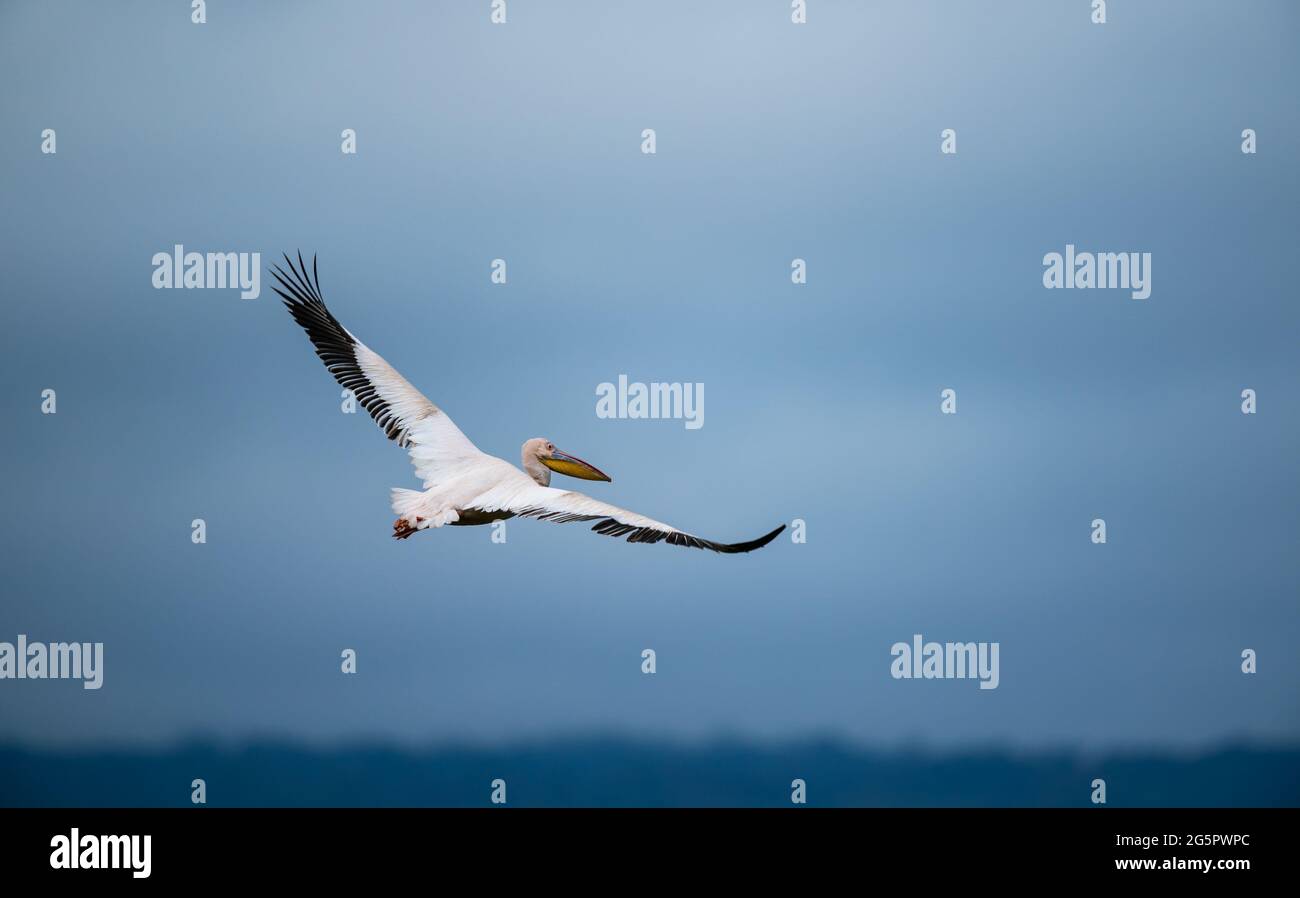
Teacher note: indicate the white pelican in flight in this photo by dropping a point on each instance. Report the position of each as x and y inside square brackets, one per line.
[461, 484]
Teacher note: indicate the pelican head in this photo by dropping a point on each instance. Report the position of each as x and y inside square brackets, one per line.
[540, 454]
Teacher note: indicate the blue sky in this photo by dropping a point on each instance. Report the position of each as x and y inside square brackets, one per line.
[775, 141]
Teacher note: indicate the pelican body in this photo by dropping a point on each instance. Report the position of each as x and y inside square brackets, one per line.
[462, 485]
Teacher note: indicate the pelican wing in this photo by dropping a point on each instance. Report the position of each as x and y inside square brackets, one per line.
[401, 411]
[561, 506]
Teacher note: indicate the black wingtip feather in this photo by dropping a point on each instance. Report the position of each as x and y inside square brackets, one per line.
[735, 548]
[607, 526]
[611, 527]
[334, 345]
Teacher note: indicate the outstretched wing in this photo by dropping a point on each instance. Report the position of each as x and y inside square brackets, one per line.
[562, 506]
[400, 410]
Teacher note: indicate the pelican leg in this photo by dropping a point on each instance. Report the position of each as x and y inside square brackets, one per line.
[402, 528]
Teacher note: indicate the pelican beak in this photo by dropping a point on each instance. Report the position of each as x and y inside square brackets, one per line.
[563, 463]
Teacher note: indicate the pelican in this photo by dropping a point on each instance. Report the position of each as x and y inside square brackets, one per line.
[462, 485]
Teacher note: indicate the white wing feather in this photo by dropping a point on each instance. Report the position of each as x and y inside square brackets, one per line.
[561, 506]
[436, 445]
[433, 440]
